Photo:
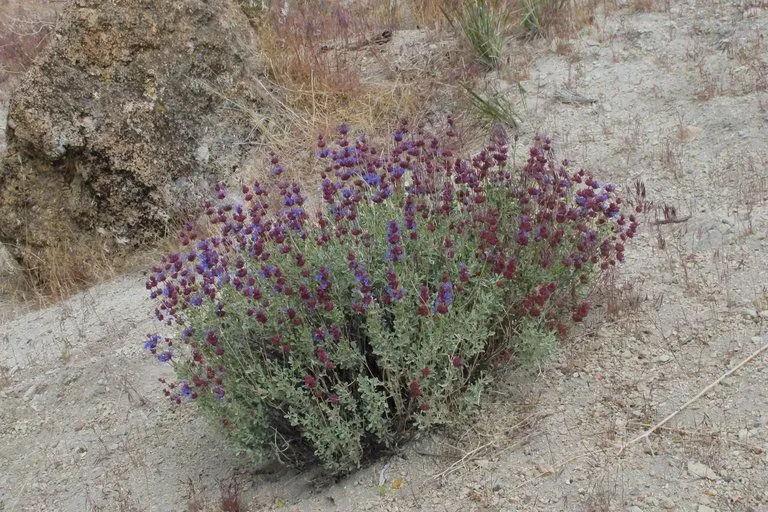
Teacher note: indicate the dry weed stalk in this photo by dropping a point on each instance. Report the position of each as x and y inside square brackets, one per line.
[657, 426]
[496, 439]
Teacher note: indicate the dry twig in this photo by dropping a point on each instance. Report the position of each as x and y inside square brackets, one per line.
[557, 466]
[455, 466]
[470, 454]
[701, 393]
[660, 222]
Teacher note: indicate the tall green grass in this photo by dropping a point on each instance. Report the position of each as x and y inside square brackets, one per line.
[484, 25]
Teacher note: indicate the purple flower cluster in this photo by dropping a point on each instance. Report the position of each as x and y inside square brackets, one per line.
[151, 345]
[444, 296]
[394, 250]
[392, 291]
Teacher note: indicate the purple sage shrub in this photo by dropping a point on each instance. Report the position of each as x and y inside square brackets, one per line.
[332, 336]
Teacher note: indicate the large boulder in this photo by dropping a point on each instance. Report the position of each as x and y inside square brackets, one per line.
[134, 109]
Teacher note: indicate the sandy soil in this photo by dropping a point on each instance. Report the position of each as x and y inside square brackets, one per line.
[681, 105]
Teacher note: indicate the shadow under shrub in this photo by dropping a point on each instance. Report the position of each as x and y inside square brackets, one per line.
[328, 338]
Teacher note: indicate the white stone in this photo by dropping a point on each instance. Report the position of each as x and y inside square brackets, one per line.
[700, 470]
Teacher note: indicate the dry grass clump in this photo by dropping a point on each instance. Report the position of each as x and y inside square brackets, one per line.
[58, 271]
[643, 5]
[315, 55]
[559, 18]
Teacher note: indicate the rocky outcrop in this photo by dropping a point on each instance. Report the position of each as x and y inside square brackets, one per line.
[125, 120]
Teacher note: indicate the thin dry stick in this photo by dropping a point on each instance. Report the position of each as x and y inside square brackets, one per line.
[551, 470]
[660, 222]
[455, 466]
[657, 426]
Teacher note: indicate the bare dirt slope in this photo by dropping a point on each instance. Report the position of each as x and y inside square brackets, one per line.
[681, 104]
